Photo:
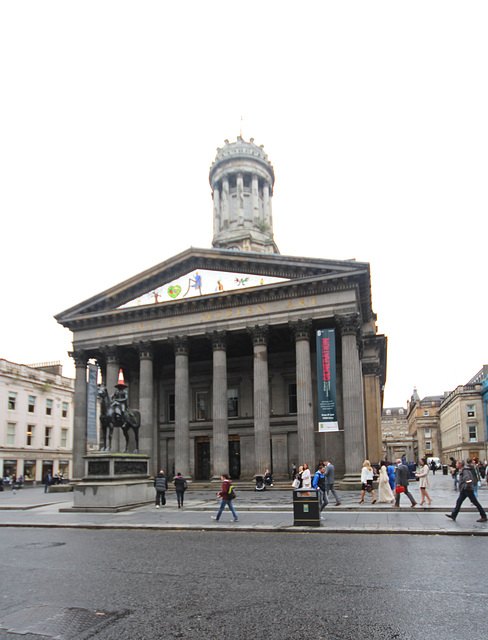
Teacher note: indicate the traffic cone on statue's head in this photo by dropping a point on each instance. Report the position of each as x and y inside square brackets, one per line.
[121, 382]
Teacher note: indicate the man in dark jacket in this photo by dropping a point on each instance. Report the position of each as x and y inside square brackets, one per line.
[161, 486]
[466, 490]
[401, 480]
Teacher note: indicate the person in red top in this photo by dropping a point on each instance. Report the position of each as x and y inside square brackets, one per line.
[224, 494]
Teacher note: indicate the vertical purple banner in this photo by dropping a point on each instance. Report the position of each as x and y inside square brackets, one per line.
[326, 380]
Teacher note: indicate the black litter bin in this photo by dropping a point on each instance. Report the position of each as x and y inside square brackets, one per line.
[306, 508]
[445, 470]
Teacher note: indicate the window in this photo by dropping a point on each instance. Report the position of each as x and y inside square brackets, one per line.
[48, 436]
[426, 412]
[30, 435]
[232, 403]
[292, 397]
[400, 411]
[31, 407]
[10, 433]
[64, 438]
[428, 445]
[388, 412]
[171, 407]
[427, 433]
[49, 407]
[471, 411]
[64, 411]
[201, 405]
[473, 436]
[12, 399]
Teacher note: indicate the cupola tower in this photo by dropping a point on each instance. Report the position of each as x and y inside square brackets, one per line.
[242, 180]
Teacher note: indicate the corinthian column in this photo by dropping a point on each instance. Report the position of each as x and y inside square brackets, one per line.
[220, 452]
[79, 425]
[305, 425]
[182, 424]
[148, 432]
[110, 380]
[352, 393]
[225, 206]
[262, 448]
[255, 198]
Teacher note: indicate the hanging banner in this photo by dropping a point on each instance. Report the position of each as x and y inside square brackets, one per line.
[326, 379]
[91, 405]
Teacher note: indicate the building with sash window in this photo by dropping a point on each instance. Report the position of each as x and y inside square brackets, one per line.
[218, 346]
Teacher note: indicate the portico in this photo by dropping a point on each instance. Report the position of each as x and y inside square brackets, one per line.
[226, 378]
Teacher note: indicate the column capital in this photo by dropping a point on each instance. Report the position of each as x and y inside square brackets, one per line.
[218, 340]
[259, 334]
[301, 328]
[180, 345]
[349, 325]
[111, 353]
[371, 369]
[145, 349]
[80, 357]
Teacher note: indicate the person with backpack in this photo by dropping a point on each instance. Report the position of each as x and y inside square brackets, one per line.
[161, 486]
[180, 488]
[318, 482]
[466, 490]
[227, 494]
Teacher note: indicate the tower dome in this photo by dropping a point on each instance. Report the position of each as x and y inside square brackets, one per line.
[242, 179]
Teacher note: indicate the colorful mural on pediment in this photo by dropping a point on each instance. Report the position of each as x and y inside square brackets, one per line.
[200, 282]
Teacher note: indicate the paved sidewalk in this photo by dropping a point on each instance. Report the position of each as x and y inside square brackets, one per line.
[258, 511]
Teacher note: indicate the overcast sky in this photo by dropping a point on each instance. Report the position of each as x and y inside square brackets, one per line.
[374, 115]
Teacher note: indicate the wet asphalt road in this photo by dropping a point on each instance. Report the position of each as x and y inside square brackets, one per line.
[140, 585]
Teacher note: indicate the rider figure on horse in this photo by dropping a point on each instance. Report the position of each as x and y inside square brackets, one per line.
[119, 399]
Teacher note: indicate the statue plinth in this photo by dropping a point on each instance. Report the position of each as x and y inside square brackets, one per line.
[113, 482]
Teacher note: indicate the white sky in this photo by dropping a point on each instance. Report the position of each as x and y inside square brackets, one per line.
[374, 115]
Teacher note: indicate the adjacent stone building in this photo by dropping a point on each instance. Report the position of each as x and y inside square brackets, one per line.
[423, 425]
[397, 441]
[217, 345]
[36, 420]
[463, 421]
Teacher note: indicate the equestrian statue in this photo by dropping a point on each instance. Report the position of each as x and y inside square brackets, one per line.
[115, 412]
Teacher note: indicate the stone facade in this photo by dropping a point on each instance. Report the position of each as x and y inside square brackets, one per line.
[227, 382]
[423, 425]
[462, 424]
[36, 421]
[397, 442]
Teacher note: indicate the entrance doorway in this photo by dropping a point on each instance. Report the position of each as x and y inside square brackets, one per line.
[202, 455]
[234, 458]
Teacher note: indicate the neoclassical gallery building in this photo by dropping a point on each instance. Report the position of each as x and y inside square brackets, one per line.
[218, 346]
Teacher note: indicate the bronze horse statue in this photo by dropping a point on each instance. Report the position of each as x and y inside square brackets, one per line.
[110, 418]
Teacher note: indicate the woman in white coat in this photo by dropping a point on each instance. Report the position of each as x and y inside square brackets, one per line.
[423, 476]
[367, 481]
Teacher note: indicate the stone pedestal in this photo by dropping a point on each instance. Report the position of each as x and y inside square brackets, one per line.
[113, 482]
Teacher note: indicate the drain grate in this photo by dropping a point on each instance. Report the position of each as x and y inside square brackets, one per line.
[54, 622]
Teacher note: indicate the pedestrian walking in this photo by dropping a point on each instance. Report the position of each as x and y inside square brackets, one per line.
[319, 482]
[226, 499]
[329, 481]
[391, 475]
[385, 494]
[454, 472]
[293, 471]
[423, 476]
[401, 483]
[161, 486]
[466, 490]
[180, 488]
[47, 482]
[306, 480]
[473, 467]
[367, 475]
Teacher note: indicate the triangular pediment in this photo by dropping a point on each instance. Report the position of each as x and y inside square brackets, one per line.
[234, 269]
[200, 282]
